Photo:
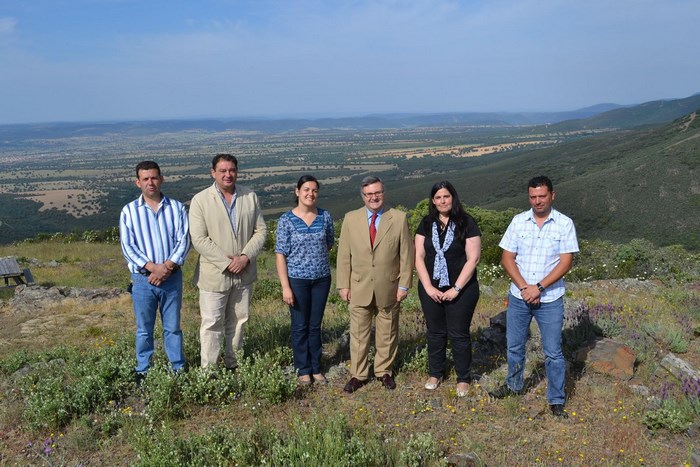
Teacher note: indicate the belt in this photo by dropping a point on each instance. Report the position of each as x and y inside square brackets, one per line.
[145, 272]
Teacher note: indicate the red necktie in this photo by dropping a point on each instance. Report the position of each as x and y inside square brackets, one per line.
[372, 229]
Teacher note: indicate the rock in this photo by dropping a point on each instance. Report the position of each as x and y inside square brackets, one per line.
[494, 336]
[534, 412]
[35, 367]
[679, 368]
[498, 321]
[29, 298]
[337, 372]
[629, 285]
[640, 390]
[693, 432]
[462, 460]
[695, 457]
[608, 357]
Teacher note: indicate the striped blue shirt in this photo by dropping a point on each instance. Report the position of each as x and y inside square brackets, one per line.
[154, 236]
[537, 249]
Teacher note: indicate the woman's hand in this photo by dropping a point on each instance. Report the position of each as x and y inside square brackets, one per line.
[450, 294]
[434, 294]
[288, 296]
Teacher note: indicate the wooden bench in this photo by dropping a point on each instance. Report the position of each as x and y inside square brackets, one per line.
[9, 269]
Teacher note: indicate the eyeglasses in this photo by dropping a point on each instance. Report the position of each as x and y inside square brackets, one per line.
[376, 194]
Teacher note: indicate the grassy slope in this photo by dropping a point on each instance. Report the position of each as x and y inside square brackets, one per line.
[632, 184]
[605, 428]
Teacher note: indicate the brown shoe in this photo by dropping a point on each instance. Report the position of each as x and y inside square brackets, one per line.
[353, 385]
[387, 381]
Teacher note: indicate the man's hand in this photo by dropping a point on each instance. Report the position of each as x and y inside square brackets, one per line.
[344, 294]
[238, 264]
[531, 294]
[158, 273]
[401, 294]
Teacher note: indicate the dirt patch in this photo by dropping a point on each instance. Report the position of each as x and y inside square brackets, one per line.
[78, 203]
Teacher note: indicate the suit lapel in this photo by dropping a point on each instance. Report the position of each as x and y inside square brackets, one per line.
[384, 225]
[219, 203]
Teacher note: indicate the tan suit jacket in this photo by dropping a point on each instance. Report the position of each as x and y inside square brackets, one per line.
[374, 272]
[214, 239]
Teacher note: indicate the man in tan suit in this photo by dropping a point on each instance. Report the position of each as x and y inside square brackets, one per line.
[375, 271]
[228, 231]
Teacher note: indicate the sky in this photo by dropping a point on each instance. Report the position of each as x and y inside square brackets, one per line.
[106, 60]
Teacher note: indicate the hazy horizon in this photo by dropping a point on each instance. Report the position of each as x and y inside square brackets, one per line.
[128, 60]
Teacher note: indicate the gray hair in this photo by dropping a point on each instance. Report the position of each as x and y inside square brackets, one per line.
[369, 180]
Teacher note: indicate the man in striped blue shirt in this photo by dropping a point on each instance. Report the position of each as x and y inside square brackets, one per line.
[154, 235]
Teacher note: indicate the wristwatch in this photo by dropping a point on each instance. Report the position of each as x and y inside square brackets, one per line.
[457, 288]
[539, 286]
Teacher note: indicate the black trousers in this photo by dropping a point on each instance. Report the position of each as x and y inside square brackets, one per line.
[450, 319]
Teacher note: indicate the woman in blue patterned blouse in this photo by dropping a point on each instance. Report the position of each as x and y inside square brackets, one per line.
[304, 236]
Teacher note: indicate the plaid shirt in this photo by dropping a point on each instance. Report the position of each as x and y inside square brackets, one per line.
[537, 250]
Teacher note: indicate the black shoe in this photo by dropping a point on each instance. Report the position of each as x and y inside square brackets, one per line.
[387, 381]
[558, 411]
[353, 385]
[504, 391]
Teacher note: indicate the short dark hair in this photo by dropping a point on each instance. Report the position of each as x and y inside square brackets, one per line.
[223, 157]
[541, 181]
[146, 165]
[304, 179]
[370, 180]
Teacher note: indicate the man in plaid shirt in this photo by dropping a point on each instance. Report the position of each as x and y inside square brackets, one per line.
[538, 249]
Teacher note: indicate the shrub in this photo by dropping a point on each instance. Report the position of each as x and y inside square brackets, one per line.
[264, 375]
[75, 384]
[421, 450]
[670, 416]
[418, 363]
[323, 440]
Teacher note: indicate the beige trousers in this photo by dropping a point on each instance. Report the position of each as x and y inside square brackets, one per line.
[386, 339]
[223, 315]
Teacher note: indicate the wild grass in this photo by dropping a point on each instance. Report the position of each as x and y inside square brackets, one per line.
[78, 402]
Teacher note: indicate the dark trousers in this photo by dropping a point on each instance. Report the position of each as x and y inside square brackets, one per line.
[450, 319]
[310, 297]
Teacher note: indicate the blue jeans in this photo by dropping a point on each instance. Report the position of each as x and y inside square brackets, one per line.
[310, 297]
[550, 319]
[147, 299]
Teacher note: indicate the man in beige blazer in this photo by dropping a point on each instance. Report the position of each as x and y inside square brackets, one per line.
[228, 232]
[375, 271]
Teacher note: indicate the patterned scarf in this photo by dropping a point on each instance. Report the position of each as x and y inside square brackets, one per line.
[440, 267]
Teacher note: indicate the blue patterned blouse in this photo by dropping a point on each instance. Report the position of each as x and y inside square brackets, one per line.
[305, 247]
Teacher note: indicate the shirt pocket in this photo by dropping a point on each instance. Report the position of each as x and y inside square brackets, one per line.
[552, 241]
[527, 241]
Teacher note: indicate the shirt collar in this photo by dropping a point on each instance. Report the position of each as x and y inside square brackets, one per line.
[235, 190]
[369, 213]
[553, 215]
[163, 200]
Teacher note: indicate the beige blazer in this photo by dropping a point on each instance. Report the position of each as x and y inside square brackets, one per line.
[374, 272]
[214, 240]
